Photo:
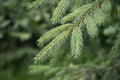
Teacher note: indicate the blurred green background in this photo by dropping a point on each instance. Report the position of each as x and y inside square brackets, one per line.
[20, 28]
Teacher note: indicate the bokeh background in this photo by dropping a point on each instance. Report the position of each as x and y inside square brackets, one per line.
[20, 28]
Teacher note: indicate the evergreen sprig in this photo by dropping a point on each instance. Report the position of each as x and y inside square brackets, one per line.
[89, 15]
[76, 42]
[91, 26]
[52, 34]
[60, 10]
[52, 46]
[78, 12]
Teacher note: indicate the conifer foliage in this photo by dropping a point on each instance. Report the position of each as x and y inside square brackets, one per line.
[76, 42]
[88, 16]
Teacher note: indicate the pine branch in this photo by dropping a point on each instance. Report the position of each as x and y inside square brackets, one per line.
[88, 17]
[52, 34]
[52, 46]
[91, 26]
[78, 12]
[81, 19]
[60, 10]
[99, 17]
[76, 42]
